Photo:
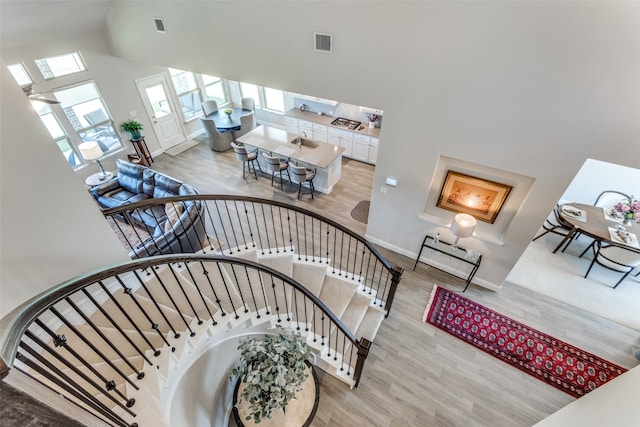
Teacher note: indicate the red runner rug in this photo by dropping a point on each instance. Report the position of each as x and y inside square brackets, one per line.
[551, 360]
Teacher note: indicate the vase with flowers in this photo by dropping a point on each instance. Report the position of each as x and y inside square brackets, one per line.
[228, 112]
[628, 209]
[373, 118]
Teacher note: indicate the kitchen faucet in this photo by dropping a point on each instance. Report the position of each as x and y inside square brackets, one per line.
[301, 133]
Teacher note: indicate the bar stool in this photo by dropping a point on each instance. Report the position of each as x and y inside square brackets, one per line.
[302, 175]
[276, 164]
[249, 159]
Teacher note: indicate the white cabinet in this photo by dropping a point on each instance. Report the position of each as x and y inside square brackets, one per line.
[291, 124]
[306, 127]
[365, 148]
[361, 147]
[319, 132]
[341, 138]
[373, 150]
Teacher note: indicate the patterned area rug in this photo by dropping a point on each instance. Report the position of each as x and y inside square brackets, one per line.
[555, 362]
[361, 212]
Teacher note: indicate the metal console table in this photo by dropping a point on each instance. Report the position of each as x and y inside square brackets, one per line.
[449, 250]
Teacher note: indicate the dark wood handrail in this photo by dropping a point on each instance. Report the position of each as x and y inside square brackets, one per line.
[209, 197]
[14, 325]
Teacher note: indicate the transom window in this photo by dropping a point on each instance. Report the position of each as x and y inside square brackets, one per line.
[86, 111]
[21, 74]
[57, 66]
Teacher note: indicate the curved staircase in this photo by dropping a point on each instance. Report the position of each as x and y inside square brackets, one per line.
[125, 342]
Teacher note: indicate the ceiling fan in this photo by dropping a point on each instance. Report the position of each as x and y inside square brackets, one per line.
[34, 96]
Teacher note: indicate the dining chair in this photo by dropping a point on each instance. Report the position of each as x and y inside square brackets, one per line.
[275, 164]
[609, 198]
[248, 104]
[249, 159]
[218, 141]
[615, 258]
[209, 106]
[247, 124]
[301, 175]
[554, 224]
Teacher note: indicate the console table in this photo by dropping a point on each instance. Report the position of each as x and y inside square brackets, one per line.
[458, 253]
[140, 145]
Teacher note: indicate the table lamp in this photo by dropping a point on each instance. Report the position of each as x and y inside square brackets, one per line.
[90, 150]
[462, 226]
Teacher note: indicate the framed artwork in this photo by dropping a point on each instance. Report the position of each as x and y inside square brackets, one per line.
[478, 197]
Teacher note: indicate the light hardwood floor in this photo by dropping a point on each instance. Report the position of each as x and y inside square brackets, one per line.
[416, 374]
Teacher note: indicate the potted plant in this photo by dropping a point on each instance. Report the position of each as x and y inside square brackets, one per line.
[133, 127]
[272, 370]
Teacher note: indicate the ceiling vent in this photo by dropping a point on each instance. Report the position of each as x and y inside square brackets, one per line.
[323, 42]
[159, 23]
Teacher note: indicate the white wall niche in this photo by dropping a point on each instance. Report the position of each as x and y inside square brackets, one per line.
[490, 233]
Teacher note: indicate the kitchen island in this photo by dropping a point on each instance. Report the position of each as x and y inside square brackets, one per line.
[325, 157]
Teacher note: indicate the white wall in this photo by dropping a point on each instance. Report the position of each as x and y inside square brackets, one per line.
[532, 88]
[595, 176]
[51, 228]
[114, 77]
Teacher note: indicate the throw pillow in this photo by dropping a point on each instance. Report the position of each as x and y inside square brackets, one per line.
[173, 211]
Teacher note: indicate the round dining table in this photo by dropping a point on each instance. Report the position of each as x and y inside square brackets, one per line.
[594, 224]
[225, 122]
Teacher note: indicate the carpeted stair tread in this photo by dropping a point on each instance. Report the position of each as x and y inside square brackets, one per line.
[83, 349]
[252, 297]
[179, 284]
[336, 294]
[135, 313]
[355, 311]
[370, 324]
[311, 274]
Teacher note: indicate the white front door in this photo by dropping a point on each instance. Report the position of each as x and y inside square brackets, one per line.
[160, 107]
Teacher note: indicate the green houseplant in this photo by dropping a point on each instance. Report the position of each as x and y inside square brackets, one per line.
[133, 127]
[272, 370]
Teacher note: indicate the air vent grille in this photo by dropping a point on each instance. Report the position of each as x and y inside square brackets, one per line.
[323, 42]
[159, 23]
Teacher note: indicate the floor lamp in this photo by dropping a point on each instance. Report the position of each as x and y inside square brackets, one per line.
[90, 150]
[462, 227]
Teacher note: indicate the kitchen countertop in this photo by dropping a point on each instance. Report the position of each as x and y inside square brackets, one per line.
[278, 141]
[326, 120]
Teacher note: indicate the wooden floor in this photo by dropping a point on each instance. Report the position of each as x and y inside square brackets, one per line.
[417, 375]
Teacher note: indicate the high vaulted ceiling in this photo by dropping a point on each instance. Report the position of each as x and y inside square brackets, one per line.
[30, 21]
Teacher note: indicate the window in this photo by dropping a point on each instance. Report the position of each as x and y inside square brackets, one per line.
[21, 74]
[270, 99]
[274, 99]
[214, 88]
[250, 91]
[57, 133]
[57, 66]
[187, 90]
[88, 115]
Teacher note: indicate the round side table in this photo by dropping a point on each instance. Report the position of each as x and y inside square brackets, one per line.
[97, 179]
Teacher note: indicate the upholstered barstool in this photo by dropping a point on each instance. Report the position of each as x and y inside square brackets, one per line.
[275, 164]
[302, 175]
[249, 159]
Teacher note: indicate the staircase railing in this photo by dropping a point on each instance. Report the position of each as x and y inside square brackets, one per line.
[235, 222]
[89, 338]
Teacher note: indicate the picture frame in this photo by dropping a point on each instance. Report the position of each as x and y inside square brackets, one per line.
[475, 196]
